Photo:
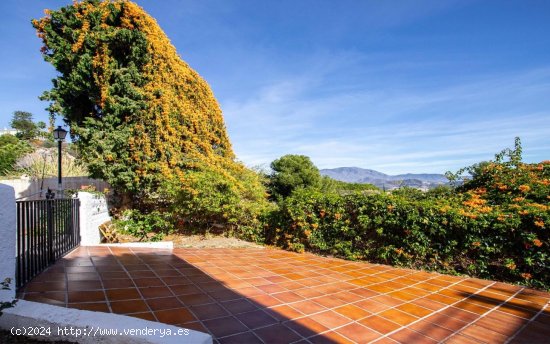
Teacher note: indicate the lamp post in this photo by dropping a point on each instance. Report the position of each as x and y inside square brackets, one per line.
[59, 135]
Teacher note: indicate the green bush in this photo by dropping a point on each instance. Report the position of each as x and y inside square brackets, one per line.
[494, 226]
[11, 149]
[212, 199]
[150, 227]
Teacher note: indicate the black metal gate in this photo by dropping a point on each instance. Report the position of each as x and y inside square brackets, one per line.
[46, 230]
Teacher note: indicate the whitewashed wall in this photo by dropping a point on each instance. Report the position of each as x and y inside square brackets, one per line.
[93, 212]
[8, 238]
[30, 188]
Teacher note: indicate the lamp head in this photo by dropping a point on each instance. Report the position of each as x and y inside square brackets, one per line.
[59, 133]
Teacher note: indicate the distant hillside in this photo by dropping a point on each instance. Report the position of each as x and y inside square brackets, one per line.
[360, 175]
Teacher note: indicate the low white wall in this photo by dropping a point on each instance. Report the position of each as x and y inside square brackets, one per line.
[7, 240]
[30, 188]
[93, 212]
[92, 327]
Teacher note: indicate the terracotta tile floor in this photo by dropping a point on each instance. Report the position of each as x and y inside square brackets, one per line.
[273, 296]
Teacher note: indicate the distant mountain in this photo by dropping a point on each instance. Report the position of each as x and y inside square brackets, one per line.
[421, 181]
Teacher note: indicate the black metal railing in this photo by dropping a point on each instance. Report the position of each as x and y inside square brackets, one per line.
[46, 230]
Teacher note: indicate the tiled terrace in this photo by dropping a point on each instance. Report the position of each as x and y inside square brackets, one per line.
[273, 296]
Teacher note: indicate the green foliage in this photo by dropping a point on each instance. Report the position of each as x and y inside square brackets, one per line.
[142, 119]
[336, 186]
[292, 172]
[11, 149]
[212, 200]
[150, 227]
[494, 226]
[27, 130]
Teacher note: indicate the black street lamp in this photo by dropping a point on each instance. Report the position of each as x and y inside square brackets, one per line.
[59, 135]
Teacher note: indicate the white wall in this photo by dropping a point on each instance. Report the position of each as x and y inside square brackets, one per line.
[93, 212]
[8, 239]
[26, 187]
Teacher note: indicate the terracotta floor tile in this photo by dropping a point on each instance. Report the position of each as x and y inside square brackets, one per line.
[175, 316]
[271, 288]
[46, 286]
[533, 333]
[460, 314]
[330, 319]
[151, 292]
[306, 327]
[225, 295]
[249, 291]
[195, 299]
[83, 276]
[184, 289]
[444, 321]
[415, 310]
[91, 306]
[118, 283]
[145, 315]
[460, 339]
[517, 311]
[84, 285]
[142, 274]
[265, 300]
[497, 325]
[86, 296]
[132, 306]
[404, 296]
[239, 306]
[330, 338]
[148, 282]
[397, 316]
[372, 306]
[485, 334]
[283, 312]
[431, 330]
[388, 300]
[175, 280]
[79, 269]
[109, 275]
[327, 301]
[358, 333]
[348, 297]
[471, 307]
[122, 294]
[241, 338]
[380, 324]
[353, 312]
[308, 307]
[277, 333]
[158, 304]
[288, 297]
[433, 305]
[441, 299]
[57, 297]
[255, 319]
[408, 336]
[226, 326]
[208, 311]
[364, 292]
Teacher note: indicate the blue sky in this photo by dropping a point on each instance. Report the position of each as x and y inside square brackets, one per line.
[397, 86]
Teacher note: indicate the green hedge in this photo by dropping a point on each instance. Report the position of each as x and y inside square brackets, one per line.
[457, 233]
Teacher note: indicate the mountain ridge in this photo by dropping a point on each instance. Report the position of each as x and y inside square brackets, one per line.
[423, 181]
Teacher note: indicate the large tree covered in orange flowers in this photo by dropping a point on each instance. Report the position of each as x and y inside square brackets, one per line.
[141, 117]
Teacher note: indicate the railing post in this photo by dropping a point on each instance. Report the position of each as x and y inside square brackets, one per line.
[49, 216]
